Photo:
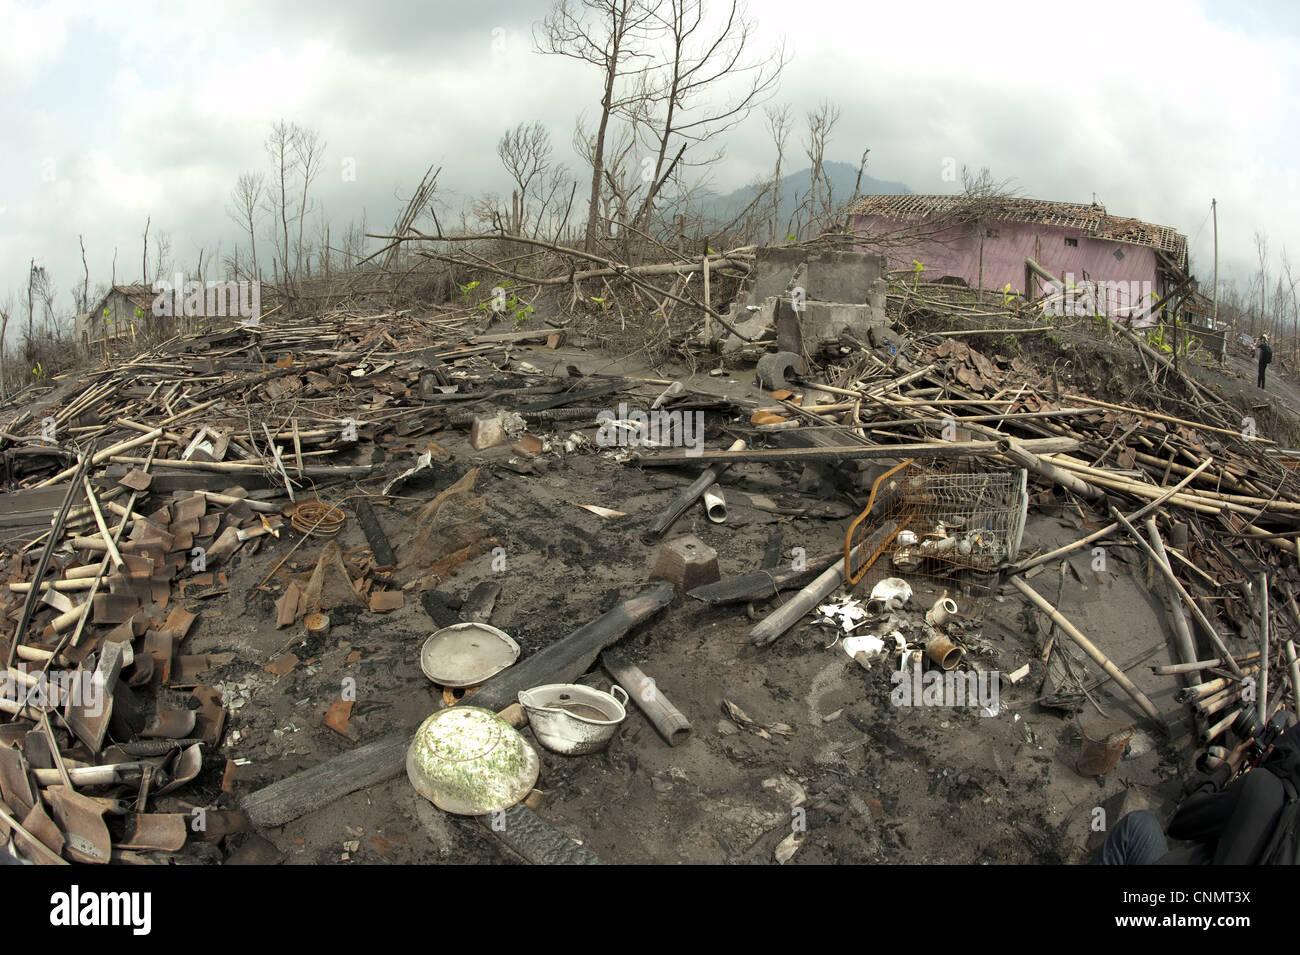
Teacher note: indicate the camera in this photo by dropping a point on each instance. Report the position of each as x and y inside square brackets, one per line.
[1248, 726]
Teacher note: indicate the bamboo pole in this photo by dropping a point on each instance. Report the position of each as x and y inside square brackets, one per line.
[1012, 449]
[1182, 633]
[1263, 646]
[1171, 669]
[1141, 413]
[1178, 587]
[101, 456]
[1088, 647]
[113, 553]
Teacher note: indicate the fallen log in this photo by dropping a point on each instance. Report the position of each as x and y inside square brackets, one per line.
[758, 583]
[569, 658]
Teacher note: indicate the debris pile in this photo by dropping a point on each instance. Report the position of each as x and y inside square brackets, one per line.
[930, 455]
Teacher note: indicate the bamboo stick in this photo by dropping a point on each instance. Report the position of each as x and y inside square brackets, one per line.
[1177, 585]
[1013, 450]
[1182, 633]
[1141, 413]
[101, 456]
[113, 553]
[1109, 529]
[1088, 647]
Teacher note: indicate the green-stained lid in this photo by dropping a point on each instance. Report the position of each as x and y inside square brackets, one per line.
[469, 761]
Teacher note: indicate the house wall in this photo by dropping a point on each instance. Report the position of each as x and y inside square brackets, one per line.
[956, 251]
[121, 312]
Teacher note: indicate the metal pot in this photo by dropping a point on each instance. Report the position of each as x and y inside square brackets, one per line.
[572, 719]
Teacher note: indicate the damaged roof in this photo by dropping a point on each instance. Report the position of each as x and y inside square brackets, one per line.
[1091, 219]
[141, 296]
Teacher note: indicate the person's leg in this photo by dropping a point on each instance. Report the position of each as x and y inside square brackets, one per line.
[1137, 839]
[1250, 826]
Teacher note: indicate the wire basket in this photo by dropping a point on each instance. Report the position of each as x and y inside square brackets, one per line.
[946, 523]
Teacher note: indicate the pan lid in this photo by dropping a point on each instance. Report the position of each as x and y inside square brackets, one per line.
[469, 761]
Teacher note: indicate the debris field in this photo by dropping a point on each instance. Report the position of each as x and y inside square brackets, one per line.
[912, 590]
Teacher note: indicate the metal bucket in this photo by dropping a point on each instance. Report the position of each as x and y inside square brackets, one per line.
[1104, 743]
[572, 719]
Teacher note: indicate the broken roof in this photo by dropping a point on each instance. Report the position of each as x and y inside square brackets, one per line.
[141, 296]
[1092, 220]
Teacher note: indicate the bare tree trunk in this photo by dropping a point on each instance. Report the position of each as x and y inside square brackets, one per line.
[85, 282]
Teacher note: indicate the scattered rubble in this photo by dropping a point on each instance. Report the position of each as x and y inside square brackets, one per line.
[332, 486]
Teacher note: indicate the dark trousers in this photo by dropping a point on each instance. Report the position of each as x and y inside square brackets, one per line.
[1261, 375]
[1230, 827]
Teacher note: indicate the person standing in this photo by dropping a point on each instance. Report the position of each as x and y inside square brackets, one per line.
[1265, 356]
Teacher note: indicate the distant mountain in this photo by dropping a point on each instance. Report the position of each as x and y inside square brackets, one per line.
[794, 187]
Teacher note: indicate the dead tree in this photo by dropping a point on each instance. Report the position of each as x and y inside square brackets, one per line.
[525, 152]
[308, 153]
[706, 85]
[609, 35]
[821, 122]
[778, 126]
[279, 145]
[243, 208]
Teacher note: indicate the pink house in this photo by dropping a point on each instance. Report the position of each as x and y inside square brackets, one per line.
[1103, 263]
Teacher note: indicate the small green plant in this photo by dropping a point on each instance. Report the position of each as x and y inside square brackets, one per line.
[39, 371]
[917, 269]
[522, 314]
[1156, 340]
[466, 289]
[604, 305]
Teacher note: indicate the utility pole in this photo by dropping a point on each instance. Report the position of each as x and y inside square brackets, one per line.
[1214, 212]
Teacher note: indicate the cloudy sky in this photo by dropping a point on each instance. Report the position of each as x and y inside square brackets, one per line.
[115, 112]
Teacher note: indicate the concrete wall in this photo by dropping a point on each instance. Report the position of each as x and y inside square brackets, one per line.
[993, 262]
[829, 276]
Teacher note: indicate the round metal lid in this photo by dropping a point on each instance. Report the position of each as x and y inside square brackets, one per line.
[469, 761]
[466, 654]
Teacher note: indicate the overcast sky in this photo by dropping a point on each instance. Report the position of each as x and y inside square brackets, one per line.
[114, 112]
